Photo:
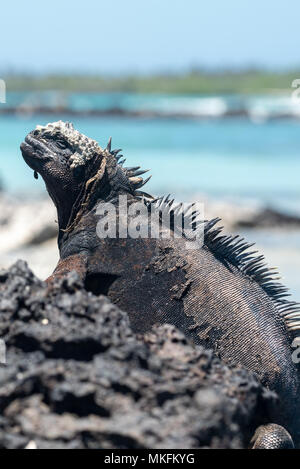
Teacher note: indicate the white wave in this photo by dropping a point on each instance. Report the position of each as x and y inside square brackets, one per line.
[261, 108]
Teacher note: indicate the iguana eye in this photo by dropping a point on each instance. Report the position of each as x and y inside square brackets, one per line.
[61, 144]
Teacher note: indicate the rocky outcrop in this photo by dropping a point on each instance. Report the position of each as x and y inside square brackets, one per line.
[77, 377]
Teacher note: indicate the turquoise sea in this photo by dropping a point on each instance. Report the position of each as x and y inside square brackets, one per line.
[222, 157]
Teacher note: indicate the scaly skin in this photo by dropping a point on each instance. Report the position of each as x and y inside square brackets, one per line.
[219, 295]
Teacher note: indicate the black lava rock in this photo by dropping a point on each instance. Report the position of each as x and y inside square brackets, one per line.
[76, 376]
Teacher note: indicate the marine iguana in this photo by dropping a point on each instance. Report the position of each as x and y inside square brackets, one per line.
[220, 295]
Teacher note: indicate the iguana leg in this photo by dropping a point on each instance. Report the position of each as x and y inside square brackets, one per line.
[271, 436]
[76, 262]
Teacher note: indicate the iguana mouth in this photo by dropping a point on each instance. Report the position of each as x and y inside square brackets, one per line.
[33, 151]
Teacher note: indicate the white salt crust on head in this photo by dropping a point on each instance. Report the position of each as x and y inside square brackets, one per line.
[84, 147]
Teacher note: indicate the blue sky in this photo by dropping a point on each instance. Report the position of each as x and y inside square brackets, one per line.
[119, 36]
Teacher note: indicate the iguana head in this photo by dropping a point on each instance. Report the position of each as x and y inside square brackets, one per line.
[76, 170]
